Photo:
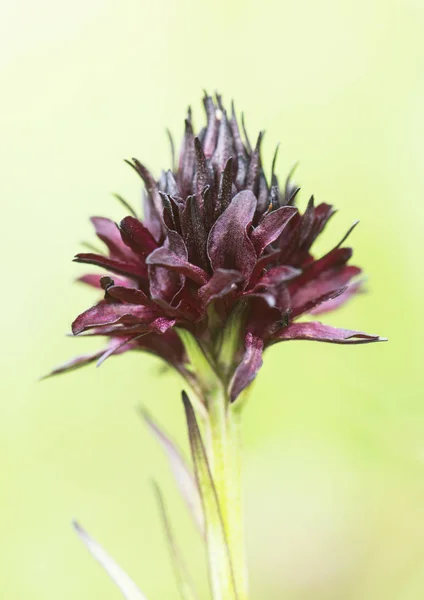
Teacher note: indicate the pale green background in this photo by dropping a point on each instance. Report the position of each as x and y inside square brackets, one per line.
[334, 436]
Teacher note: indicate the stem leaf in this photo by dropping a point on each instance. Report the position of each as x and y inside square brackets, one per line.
[184, 477]
[181, 572]
[127, 586]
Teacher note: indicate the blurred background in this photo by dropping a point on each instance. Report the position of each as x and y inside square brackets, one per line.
[334, 436]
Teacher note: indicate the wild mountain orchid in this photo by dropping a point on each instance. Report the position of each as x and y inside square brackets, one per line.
[219, 269]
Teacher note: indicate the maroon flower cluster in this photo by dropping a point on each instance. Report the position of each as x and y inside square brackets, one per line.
[215, 236]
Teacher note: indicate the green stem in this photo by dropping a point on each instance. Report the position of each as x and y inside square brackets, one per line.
[224, 454]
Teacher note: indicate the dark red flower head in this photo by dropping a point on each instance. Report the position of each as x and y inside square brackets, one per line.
[217, 239]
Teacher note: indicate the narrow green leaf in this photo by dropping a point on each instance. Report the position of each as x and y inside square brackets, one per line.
[184, 583]
[127, 586]
[182, 473]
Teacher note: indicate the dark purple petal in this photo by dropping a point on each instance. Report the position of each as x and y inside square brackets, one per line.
[225, 188]
[262, 194]
[194, 232]
[302, 231]
[75, 363]
[187, 159]
[315, 302]
[334, 303]
[165, 258]
[209, 202]
[171, 186]
[108, 232]
[271, 227]
[224, 147]
[116, 266]
[240, 149]
[335, 259]
[173, 255]
[166, 283]
[277, 275]
[128, 295]
[137, 237]
[323, 213]
[118, 345]
[276, 296]
[249, 366]
[254, 164]
[328, 281]
[222, 282]
[319, 332]
[262, 263]
[202, 172]
[149, 182]
[307, 222]
[272, 287]
[111, 314]
[211, 134]
[168, 211]
[229, 246]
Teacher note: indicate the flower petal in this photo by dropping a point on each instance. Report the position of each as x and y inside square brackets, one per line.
[319, 332]
[108, 232]
[277, 275]
[137, 237]
[271, 227]
[211, 133]
[328, 281]
[187, 159]
[334, 303]
[128, 295]
[164, 257]
[229, 246]
[335, 259]
[165, 283]
[225, 188]
[194, 231]
[110, 314]
[224, 146]
[76, 362]
[315, 302]
[131, 269]
[149, 182]
[127, 586]
[118, 345]
[249, 366]
[222, 282]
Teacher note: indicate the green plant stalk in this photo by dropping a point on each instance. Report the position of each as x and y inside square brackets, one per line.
[224, 455]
